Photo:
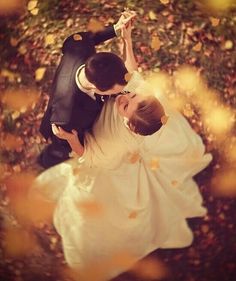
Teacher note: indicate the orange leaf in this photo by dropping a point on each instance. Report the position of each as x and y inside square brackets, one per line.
[214, 21]
[165, 1]
[95, 25]
[198, 47]
[155, 43]
[91, 208]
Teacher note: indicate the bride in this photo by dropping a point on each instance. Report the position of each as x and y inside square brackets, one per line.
[127, 193]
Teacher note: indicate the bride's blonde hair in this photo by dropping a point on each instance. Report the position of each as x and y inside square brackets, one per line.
[146, 120]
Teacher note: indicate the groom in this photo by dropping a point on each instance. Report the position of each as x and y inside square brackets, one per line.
[82, 81]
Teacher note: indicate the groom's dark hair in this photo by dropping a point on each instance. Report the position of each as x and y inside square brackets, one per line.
[104, 70]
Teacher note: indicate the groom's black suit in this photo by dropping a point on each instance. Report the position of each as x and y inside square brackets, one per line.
[68, 106]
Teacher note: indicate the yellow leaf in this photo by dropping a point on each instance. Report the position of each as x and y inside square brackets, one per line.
[34, 12]
[95, 25]
[10, 75]
[22, 49]
[214, 21]
[128, 76]
[133, 215]
[152, 15]
[31, 5]
[165, 1]
[49, 39]
[154, 164]
[39, 73]
[198, 47]
[228, 45]
[133, 157]
[91, 208]
[164, 119]
[77, 37]
[174, 182]
[155, 43]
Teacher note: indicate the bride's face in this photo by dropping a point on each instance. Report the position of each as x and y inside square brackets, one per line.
[128, 103]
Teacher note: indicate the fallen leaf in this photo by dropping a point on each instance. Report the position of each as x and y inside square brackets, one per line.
[228, 45]
[13, 41]
[34, 12]
[49, 39]
[165, 2]
[31, 5]
[22, 49]
[133, 215]
[152, 15]
[155, 43]
[90, 208]
[214, 21]
[197, 47]
[39, 73]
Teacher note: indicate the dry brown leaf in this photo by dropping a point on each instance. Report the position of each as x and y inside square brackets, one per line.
[155, 43]
[95, 25]
[165, 2]
[214, 21]
[91, 208]
[152, 15]
[39, 73]
[133, 157]
[154, 164]
[31, 5]
[49, 39]
[133, 215]
[22, 49]
[197, 47]
[77, 37]
[34, 12]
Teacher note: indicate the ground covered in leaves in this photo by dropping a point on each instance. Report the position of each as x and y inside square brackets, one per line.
[167, 35]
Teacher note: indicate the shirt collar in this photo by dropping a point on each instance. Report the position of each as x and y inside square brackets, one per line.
[86, 91]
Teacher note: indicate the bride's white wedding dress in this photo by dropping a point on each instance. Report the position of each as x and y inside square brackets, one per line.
[141, 188]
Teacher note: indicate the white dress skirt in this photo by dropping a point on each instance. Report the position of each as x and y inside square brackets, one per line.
[128, 193]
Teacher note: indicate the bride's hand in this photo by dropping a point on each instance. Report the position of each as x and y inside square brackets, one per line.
[125, 18]
[62, 134]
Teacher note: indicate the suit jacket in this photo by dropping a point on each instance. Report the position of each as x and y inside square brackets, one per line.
[68, 106]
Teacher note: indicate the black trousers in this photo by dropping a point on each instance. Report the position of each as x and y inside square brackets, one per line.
[54, 153]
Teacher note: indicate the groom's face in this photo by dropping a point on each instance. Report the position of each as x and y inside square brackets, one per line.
[116, 89]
